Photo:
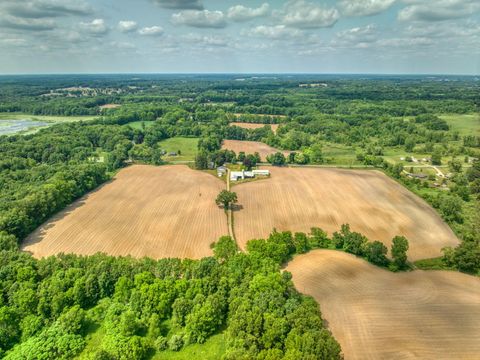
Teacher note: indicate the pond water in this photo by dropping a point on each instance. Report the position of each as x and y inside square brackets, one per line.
[8, 127]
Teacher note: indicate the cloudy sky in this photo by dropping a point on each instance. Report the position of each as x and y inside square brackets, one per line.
[164, 36]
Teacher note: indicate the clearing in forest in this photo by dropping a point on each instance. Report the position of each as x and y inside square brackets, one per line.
[297, 199]
[250, 147]
[377, 314]
[109, 106]
[160, 212]
[246, 125]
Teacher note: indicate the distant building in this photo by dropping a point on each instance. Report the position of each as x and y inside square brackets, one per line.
[173, 153]
[221, 170]
[236, 175]
[241, 175]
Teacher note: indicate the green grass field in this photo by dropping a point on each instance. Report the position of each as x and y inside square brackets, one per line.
[339, 154]
[212, 349]
[187, 147]
[138, 124]
[468, 124]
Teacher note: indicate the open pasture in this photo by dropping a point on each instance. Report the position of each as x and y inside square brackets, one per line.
[246, 125]
[160, 212]
[250, 147]
[465, 124]
[187, 147]
[297, 199]
[377, 314]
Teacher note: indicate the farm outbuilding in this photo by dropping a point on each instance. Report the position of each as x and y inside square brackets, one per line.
[221, 170]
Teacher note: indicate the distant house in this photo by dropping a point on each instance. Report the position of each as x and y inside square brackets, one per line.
[172, 153]
[237, 175]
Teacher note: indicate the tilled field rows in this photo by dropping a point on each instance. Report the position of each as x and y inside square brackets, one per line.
[250, 147]
[376, 314]
[297, 199]
[166, 211]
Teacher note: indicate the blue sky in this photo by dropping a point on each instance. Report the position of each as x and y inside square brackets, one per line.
[295, 36]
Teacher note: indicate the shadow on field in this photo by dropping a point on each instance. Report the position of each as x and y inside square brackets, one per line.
[39, 233]
[237, 207]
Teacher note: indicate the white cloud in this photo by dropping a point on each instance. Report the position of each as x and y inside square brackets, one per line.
[200, 18]
[278, 32]
[127, 26]
[122, 45]
[406, 42]
[421, 10]
[180, 4]
[364, 7]
[151, 31]
[18, 23]
[96, 27]
[358, 34]
[243, 13]
[206, 40]
[13, 41]
[47, 8]
[306, 15]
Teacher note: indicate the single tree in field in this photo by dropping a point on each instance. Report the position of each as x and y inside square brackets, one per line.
[226, 198]
[399, 251]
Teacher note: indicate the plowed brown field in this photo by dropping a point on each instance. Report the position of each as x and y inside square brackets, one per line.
[376, 314]
[299, 198]
[254, 125]
[250, 147]
[166, 211]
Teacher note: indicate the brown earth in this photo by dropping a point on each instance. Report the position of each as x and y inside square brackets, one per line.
[109, 106]
[377, 314]
[297, 199]
[250, 147]
[254, 125]
[166, 211]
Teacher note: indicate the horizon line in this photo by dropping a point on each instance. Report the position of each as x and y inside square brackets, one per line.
[239, 73]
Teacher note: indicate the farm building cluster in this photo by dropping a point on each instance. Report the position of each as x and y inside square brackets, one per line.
[241, 175]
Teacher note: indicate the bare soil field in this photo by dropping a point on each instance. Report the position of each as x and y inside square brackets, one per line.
[377, 314]
[109, 106]
[297, 199]
[166, 211]
[249, 147]
[254, 125]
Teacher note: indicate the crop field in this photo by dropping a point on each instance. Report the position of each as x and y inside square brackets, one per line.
[250, 147]
[160, 212]
[246, 125]
[297, 199]
[377, 314]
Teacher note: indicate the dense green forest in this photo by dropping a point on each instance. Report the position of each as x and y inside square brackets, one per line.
[142, 307]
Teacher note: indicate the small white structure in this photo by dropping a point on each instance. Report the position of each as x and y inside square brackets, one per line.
[241, 175]
[237, 175]
[221, 170]
[261, 172]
